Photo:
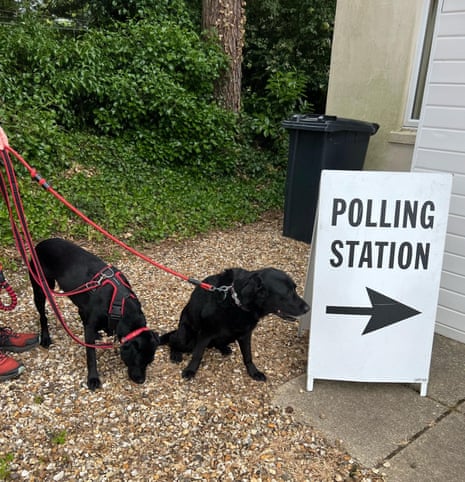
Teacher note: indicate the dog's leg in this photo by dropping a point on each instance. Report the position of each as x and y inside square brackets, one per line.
[197, 354]
[175, 348]
[170, 339]
[93, 380]
[39, 301]
[175, 355]
[245, 343]
[181, 341]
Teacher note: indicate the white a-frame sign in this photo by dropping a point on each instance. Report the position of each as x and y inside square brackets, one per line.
[374, 274]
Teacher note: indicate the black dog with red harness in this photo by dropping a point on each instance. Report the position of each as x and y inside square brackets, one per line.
[105, 301]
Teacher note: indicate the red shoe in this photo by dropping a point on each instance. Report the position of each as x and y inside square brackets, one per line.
[9, 367]
[17, 342]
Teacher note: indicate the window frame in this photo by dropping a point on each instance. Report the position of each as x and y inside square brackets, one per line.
[420, 65]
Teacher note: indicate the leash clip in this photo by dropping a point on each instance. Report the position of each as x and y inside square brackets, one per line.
[104, 275]
[224, 290]
[99, 278]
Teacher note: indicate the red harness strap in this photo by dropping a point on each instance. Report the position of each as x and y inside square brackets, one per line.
[121, 291]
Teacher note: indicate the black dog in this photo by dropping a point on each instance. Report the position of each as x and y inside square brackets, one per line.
[216, 319]
[109, 305]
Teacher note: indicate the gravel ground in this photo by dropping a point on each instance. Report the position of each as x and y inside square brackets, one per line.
[220, 426]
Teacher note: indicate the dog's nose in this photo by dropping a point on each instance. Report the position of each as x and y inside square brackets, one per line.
[138, 380]
[136, 376]
[306, 307]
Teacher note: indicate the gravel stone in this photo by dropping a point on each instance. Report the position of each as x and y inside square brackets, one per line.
[221, 426]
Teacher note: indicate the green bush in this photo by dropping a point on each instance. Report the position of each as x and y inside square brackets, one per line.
[147, 81]
[282, 35]
[284, 92]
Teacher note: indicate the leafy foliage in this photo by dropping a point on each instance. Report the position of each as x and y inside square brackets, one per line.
[58, 437]
[145, 80]
[286, 61]
[282, 35]
[120, 115]
[105, 12]
[108, 181]
[283, 95]
[5, 462]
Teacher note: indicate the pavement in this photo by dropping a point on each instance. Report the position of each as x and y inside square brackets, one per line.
[390, 427]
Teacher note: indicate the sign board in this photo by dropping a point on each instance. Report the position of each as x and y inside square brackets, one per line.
[374, 273]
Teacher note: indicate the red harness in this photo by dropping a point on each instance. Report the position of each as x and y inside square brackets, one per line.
[109, 275]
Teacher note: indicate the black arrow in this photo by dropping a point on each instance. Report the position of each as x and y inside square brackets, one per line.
[384, 311]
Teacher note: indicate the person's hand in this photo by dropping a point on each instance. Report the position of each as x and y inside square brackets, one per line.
[3, 139]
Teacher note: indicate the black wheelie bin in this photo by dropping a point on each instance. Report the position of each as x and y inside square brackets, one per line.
[318, 142]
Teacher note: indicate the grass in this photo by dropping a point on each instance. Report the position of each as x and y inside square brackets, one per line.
[5, 462]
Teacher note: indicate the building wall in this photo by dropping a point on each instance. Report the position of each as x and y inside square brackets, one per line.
[373, 51]
[440, 146]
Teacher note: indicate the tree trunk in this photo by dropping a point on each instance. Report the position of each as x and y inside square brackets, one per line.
[226, 18]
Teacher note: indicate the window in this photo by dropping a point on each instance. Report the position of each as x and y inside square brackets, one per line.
[418, 81]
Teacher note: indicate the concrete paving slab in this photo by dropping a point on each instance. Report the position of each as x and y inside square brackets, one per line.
[438, 455]
[371, 420]
[447, 373]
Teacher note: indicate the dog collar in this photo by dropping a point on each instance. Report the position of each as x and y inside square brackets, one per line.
[236, 299]
[133, 334]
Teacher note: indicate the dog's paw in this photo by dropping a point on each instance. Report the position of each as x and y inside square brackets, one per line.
[93, 383]
[258, 376]
[188, 374]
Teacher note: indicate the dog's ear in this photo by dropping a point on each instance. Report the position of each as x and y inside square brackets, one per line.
[128, 351]
[253, 290]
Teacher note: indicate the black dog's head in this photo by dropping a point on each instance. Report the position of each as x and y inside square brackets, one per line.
[138, 353]
[271, 290]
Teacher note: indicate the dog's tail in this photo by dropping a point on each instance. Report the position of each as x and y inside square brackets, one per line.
[165, 339]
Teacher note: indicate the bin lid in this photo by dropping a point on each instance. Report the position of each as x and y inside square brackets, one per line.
[328, 123]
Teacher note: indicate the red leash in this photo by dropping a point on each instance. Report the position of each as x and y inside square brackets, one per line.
[25, 246]
[13, 298]
[42, 182]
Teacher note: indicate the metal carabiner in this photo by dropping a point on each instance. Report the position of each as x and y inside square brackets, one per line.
[223, 289]
[103, 275]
